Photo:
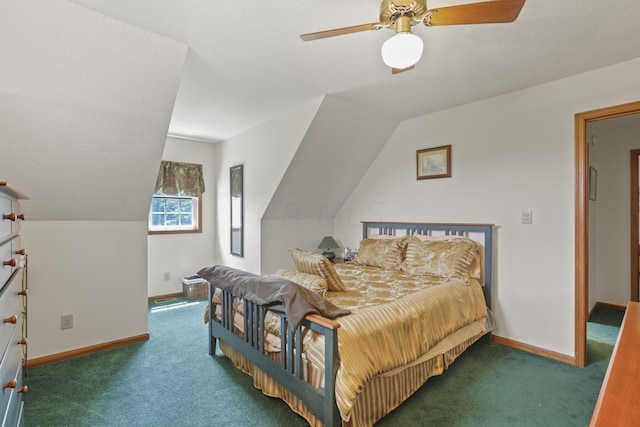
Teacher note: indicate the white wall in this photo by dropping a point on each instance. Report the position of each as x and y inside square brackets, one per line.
[510, 154]
[280, 235]
[609, 254]
[86, 104]
[95, 270]
[184, 254]
[265, 152]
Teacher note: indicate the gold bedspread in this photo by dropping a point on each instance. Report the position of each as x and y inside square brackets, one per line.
[389, 329]
[397, 318]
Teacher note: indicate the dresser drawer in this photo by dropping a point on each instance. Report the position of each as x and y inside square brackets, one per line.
[16, 209]
[5, 224]
[16, 245]
[20, 421]
[11, 369]
[6, 254]
[13, 412]
[11, 304]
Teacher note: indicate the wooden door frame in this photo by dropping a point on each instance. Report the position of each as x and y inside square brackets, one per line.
[634, 157]
[582, 219]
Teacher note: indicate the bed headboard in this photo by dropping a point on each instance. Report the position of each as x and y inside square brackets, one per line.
[482, 233]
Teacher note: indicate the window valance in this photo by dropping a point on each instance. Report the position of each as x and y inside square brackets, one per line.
[180, 178]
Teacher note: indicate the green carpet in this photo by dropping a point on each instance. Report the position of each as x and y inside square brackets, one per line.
[171, 380]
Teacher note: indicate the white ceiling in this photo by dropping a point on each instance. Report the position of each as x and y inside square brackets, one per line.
[246, 63]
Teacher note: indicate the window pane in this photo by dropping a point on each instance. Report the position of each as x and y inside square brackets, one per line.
[172, 219]
[173, 214]
[186, 219]
[157, 205]
[157, 219]
[186, 205]
[172, 205]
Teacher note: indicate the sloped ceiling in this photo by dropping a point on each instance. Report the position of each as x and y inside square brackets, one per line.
[338, 148]
[247, 64]
[85, 105]
[88, 87]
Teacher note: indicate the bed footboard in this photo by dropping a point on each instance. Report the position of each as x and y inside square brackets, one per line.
[289, 372]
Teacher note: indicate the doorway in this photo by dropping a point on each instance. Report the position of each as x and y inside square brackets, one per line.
[582, 216]
[634, 167]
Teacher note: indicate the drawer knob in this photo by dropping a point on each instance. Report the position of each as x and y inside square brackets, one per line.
[22, 341]
[21, 217]
[23, 292]
[12, 262]
[11, 217]
[21, 252]
[13, 319]
[23, 389]
[11, 384]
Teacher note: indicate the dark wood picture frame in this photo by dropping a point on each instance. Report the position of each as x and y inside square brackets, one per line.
[236, 199]
[433, 162]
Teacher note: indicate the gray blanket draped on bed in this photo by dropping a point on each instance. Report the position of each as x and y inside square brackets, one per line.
[271, 291]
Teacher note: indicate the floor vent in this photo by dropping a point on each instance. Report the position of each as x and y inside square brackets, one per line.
[163, 300]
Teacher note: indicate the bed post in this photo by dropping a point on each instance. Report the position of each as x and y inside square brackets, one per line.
[212, 339]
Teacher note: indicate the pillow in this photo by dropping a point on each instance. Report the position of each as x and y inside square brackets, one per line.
[382, 253]
[475, 269]
[315, 284]
[311, 263]
[447, 258]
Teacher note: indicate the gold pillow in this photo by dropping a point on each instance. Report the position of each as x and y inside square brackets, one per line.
[311, 263]
[315, 284]
[382, 253]
[475, 269]
[446, 258]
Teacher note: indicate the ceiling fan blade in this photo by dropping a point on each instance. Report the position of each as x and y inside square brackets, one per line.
[490, 12]
[342, 31]
[401, 70]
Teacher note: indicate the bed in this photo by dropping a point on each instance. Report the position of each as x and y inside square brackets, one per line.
[412, 313]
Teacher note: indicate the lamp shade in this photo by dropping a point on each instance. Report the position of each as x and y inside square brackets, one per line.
[402, 50]
[328, 243]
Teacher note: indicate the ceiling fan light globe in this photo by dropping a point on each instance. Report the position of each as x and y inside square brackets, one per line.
[402, 50]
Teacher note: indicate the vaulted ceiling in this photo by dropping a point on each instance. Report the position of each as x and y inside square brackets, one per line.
[85, 105]
[247, 64]
[89, 89]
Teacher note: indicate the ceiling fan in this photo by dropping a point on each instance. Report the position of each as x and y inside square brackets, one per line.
[402, 51]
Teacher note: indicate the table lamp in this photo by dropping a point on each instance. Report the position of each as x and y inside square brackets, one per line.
[326, 244]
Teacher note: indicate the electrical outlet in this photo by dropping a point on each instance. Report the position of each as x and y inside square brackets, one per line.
[527, 217]
[66, 321]
[167, 276]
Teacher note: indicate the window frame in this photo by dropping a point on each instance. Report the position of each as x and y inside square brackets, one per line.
[197, 211]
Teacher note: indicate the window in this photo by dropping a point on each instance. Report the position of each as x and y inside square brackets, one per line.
[176, 204]
[174, 214]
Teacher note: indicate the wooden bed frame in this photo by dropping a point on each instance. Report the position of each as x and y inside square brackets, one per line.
[288, 371]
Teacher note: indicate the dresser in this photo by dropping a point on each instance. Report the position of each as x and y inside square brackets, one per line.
[13, 307]
[617, 404]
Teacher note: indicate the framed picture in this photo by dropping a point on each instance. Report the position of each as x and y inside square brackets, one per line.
[434, 162]
[237, 210]
[593, 183]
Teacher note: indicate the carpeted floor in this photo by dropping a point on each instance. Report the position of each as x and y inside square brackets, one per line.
[171, 380]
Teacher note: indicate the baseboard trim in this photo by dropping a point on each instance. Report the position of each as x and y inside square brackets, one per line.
[58, 357]
[533, 349]
[155, 297]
